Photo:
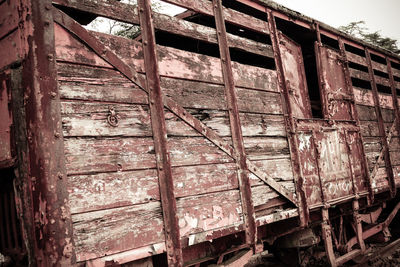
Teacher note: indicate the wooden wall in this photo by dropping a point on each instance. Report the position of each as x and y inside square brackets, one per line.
[113, 183]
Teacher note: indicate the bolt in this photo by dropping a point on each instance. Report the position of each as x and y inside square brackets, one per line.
[60, 176]
[57, 135]
[145, 42]
[53, 95]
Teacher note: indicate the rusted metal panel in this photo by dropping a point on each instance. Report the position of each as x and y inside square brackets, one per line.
[296, 84]
[289, 122]
[236, 130]
[336, 93]
[6, 140]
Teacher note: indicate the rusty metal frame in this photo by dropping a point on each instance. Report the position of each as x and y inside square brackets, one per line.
[356, 118]
[105, 53]
[42, 173]
[165, 180]
[290, 124]
[236, 130]
[385, 145]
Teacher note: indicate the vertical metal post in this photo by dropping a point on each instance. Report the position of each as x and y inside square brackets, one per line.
[356, 118]
[327, 236]
[46, 173]
[395, 104]
[381, 125]
[357, 222]
[166, 186]
[236, 130]
[289, 123]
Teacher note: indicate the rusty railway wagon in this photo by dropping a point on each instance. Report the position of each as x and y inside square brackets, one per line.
[234, 127]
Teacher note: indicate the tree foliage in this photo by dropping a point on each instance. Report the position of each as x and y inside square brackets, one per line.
[359, 30]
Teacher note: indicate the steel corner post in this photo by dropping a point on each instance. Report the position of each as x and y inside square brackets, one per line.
[46, 172]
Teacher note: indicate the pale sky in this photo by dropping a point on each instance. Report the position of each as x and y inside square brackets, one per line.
[379, 15]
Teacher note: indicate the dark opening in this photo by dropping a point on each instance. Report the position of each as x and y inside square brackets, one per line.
[361, 83]
[354, 50]
[378, 59]
[187, 44]
[330, 42]
[398, 92]
[384, 89]
[358, 67]
[306, 39]
[395, 65]
[11, 243]
[201, 47]
[397, 79]
[381, 74]
[243, 8]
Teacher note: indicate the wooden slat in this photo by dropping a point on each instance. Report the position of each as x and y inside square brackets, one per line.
[396, 72]
[366, 113]
[356, 58]
[173, 62]
[9, 17]
[106, 232]
[364, 97]
[378, 66]
[365, 76]
[209, 211]
[128, 13]
[190, 94]
[231, 16]
[265, 147]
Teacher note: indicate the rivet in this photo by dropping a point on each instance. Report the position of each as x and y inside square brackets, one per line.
[145, 42]
[57, 134]
[141, 10]
[53, 94]
[60, 176]
[50, 56]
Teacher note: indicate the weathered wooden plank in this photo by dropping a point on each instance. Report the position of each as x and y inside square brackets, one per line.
[366, 113]
[10, 51]
[110, 231]
[231, 16]
[279, 169]
[194, 151]
[395, 144]
[365, 76]
[262, 194]
[378, 66]
[92, 155]
[258, 148]
[9, 17]
[388, 115]
[202, 179]
[97, 84]
[372, 144]
[369, 128]
[396, 72]
[209, 211]
[395, 158]
[97, 191]
[91, 119]
[173, 62]
[190, 94]
[356, 58]
[123, 154]
[364, 97]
